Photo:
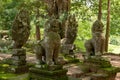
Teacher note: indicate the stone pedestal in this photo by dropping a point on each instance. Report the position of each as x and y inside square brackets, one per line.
[55, 72]
[67, 48]
[19, 61]
[100, 69]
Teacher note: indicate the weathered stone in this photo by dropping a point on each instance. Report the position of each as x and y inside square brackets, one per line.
[20, 33]
[50, 45]
[19, 69]
[21, 28]
[18, 52]
[54, 67]
[100, 69]
[67, 46]
[95, 46]
[19, 57]
[96, 63]
[44, 74]
[71, 29]
[97, 76]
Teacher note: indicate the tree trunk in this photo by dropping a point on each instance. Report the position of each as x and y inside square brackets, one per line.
[37, 26]
[58, 8]
[107, 27]
[100, 10]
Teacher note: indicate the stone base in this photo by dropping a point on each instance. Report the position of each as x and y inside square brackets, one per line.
[19, 57]
[100, 69]
[45, 74]
[12, 68]
[19, 69]
[99, 76]
[98, 62]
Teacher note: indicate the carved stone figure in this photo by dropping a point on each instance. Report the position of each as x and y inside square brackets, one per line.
[20, 34]
[97, 27]
[95, 46]
[40, 52]
[21, 28]
[71, 29]
[51, 42]
[67, 45]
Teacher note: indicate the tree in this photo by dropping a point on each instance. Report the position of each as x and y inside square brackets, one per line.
[37, 24]
[100, 10]
[59, 9]
[107, 27]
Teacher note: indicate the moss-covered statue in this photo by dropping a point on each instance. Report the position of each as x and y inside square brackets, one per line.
[95, 46]
[70, 35]
[21, 28]
[47, 50]
[71, 29]
[20, 33]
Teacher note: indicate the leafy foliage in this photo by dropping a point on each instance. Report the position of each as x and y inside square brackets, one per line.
[86, 12]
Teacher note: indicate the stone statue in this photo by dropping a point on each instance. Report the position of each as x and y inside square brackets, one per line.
[40, 52]
[20, 33]
[95, 46]
[50, 44]
[97, 27]
[71, 29]
[21, 28]
[67, 45]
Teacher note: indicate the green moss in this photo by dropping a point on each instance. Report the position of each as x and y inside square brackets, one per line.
[47, 72]
[41, 74]
[20, 77]
[111, 70]
[70, 59]
[4, 72]
[79, 45]
[99, 61]
[4, 76]
[40, 77]
[5, 65]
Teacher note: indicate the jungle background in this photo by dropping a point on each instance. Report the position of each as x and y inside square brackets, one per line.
[86, 12]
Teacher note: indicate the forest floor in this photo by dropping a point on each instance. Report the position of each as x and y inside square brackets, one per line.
[73, 69]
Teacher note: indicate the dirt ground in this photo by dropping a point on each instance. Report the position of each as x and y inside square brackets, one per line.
[114, 59]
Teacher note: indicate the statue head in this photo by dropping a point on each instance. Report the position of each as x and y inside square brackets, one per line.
[52, 24]
[21, 28]
[97, 26]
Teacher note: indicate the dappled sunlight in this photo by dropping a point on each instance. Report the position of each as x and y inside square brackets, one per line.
[114, 49]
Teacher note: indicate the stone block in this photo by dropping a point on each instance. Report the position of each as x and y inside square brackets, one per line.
[19, 69]
[46, 74]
